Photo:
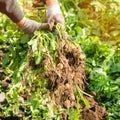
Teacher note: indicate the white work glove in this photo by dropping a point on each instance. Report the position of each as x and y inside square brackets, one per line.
[30, 26]
[54, 14]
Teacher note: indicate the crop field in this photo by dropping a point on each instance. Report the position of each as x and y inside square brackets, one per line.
[70, 73]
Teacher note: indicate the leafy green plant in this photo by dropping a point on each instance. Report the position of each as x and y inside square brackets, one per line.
[89, 24]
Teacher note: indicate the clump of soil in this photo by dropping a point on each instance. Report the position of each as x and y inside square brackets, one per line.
[95, 112]
[67, 73]
[2, 74]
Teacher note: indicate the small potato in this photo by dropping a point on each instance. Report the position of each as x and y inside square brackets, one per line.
[5, 84]
[60, 66]
[82, 56]
[67, 104]
[78, 75]
[67, 86]
[72, 97]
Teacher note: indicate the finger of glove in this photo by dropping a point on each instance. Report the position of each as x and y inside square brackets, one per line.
[44, 26]
[51, 24]
[58, 18]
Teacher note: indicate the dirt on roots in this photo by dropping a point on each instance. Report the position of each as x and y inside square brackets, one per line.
[67, 75]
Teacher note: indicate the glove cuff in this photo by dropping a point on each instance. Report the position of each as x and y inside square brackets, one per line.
[53, 10]
[21, 22]
[30, 26]
[26, 24]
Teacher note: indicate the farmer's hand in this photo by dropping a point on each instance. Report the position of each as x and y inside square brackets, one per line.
[30, 26]
[54, 14]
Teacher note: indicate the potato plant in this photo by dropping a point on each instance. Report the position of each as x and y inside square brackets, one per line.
[91, 25]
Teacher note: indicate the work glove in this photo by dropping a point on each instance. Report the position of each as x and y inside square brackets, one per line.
[54, 14]
[30, 26]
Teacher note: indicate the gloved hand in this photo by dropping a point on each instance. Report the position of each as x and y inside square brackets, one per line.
[54, 14]
[30, 26]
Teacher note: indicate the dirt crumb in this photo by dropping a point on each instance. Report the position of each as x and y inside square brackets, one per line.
[95, 112]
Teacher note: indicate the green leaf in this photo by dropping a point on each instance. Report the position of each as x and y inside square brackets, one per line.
[33, 44]
[24, 39]
[38, 57]
[5, 60]
[52, 45]
[115, 67]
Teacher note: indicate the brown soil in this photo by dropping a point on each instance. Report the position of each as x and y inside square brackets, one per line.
[2, 75]
[68, 73]
[95, 112]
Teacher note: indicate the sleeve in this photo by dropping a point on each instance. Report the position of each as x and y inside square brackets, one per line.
[44, 1]
[11, 9]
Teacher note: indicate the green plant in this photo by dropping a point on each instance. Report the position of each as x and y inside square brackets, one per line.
[89, 24]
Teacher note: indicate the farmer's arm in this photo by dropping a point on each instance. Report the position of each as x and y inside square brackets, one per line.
[54, 11]
[13, 11]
